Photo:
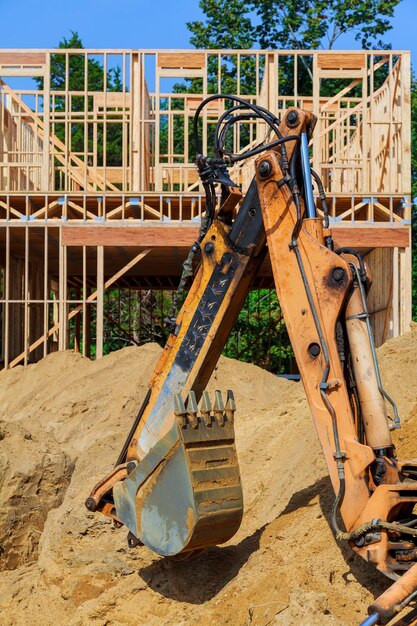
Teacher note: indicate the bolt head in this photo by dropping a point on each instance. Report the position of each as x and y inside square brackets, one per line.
[264, 169]
[338, 274]
[209, 247]
[292, 119]
[131, 466]
[90, 504]
[314, 350]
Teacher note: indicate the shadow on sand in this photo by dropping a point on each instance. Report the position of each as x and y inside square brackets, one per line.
[198, 580]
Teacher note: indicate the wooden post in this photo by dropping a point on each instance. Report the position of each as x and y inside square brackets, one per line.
[16, 317]
[46, 117]
[35, 325]
[26, 298]
[7, 297]
[62, 306]
[316, 111]
[46, 289]
[405, 289]
[395, 293]
[406, 122]
[87, 326]
[137, 114]
[100, 302]
[77, 334]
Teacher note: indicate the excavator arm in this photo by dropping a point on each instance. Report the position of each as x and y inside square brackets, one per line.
[176, 485]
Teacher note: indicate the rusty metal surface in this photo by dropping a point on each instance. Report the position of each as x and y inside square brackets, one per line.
[390, 602]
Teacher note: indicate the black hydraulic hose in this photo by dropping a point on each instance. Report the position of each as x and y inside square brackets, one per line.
[234, 158]
[247, 116]
[323, 387]
[258, 110]
[356, 254]
[122, 456]
[296, 195]
[187, 266]
[259, 149]
[338, 501]
[221, 139]
[233, 120]
[322, 197]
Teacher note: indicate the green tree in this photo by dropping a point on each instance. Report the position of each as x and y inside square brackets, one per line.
[259, 334]
[291, 24]
[227, 25]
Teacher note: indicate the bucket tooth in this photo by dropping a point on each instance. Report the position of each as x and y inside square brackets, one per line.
[230, 407]
[205, 408]
[218, 408]
[179, 410]
[192, 409]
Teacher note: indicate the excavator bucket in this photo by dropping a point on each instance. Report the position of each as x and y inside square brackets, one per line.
[186, 494]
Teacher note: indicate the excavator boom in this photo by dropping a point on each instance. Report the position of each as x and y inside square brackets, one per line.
[176, 485]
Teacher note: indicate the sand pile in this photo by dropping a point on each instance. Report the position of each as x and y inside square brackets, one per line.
[63, 422]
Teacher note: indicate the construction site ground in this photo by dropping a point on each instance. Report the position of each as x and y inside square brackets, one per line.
[63, 422]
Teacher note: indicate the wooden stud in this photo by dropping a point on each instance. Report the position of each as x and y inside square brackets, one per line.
[395, 292]
[100, 302]
[405, 295]
[7, 297]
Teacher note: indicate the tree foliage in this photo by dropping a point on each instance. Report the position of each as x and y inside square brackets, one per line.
[291, 24]
[259, 334]
[227, 25]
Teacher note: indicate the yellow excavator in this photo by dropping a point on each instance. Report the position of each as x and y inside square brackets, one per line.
[176, 484]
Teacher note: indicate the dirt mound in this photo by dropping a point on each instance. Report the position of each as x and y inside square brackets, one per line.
[63, 422]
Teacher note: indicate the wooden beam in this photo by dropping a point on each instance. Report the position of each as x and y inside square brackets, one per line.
[184, 236]
[146, 236]
[387, 311]
[396, 292]
[386, 237]
[187, 60]
[341, 61]
[22, 58]
[405, 289]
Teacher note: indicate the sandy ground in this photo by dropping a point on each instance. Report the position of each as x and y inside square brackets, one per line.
[63, 422]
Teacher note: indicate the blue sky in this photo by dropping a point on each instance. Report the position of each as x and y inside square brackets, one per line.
[137, 23]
